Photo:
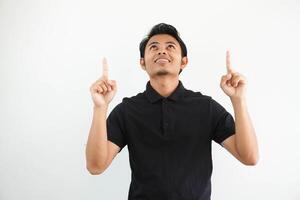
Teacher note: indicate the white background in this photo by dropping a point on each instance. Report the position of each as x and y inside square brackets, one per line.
[50, 53]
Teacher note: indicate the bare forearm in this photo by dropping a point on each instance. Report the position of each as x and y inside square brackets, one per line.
[96, 150]
[246, 142]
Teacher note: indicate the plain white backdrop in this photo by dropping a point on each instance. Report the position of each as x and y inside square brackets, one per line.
[50, 54]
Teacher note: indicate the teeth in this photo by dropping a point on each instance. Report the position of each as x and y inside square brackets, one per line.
[162, 60]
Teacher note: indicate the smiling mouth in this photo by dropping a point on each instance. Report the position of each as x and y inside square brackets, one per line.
[162, 60]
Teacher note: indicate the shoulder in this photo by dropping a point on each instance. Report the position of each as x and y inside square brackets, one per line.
[133, 99]
[196, 94]
[127, 102]
[203, 99]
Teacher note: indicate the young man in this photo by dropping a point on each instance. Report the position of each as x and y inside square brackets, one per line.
[168, 129]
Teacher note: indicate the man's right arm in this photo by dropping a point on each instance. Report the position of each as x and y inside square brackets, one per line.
[99, 151]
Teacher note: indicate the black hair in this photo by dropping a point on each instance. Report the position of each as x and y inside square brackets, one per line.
[163, 28]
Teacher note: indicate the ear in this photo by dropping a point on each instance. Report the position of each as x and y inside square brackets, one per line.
[142, 63]
[184, 62]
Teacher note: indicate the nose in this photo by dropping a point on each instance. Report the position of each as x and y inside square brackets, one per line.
[162, 52]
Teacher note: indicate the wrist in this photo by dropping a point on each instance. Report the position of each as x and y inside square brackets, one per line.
[100, 108]
[238, 101]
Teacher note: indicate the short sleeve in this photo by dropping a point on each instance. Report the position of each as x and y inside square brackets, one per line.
[116, 127]
[223, 125]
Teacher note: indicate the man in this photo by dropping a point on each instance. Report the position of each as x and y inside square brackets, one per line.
[168, 129]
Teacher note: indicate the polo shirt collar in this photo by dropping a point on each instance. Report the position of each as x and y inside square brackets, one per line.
[154, 96]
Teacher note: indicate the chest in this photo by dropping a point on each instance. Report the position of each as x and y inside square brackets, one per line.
[168, 122]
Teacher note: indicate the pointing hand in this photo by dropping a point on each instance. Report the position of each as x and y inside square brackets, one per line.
[103, 90]
[233, 83]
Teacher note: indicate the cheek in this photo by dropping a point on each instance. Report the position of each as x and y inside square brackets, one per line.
[148, 58]
[177, 58]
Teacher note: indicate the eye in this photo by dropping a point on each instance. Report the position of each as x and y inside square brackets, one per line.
[171, 46]
[153, 46]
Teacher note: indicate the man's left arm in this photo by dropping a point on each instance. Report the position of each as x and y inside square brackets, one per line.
[243, 144]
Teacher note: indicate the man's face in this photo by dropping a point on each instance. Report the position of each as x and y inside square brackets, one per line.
[163, 56]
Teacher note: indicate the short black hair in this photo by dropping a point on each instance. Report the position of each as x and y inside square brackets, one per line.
[163, 28]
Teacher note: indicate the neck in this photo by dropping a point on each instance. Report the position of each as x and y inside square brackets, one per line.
[164, 87]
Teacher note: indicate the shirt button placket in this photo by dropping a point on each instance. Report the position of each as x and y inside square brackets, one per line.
[165, 126]
[165, 114]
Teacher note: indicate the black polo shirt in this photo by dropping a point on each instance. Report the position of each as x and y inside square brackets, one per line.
[169, 142]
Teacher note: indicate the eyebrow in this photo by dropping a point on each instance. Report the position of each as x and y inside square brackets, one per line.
[170, 42]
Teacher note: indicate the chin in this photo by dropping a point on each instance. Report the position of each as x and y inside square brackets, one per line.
[163, 72]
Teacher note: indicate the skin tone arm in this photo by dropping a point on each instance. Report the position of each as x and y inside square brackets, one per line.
[243, 145]
[99, 151]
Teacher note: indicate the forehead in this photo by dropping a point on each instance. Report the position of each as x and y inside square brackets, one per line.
[162, 38]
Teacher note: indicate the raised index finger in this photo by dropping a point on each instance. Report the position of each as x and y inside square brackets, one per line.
[104, 68]
[228, 64]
